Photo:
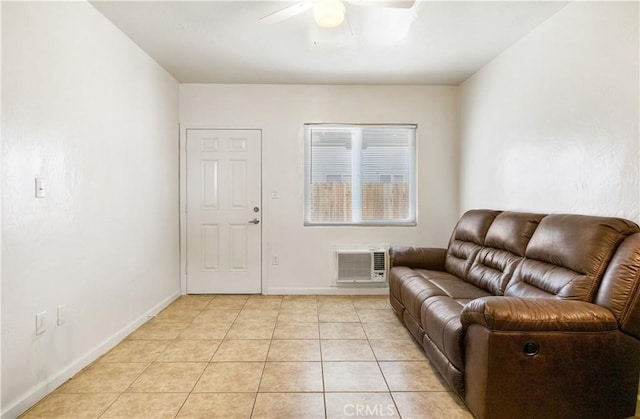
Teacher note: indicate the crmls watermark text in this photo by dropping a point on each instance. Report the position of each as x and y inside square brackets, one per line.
[368, 410]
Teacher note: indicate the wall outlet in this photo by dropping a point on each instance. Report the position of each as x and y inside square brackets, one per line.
[40, 189]
[61, 314]
[41, 324]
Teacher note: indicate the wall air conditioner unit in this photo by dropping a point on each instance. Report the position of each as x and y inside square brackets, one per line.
[362, 266]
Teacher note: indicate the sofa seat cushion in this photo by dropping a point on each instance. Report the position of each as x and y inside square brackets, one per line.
[440, 315]
[459, 290]
[453, 376]
[440, 318]
[397, 276]
[417, 289]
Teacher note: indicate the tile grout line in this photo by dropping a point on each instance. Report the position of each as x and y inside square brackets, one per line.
[203, 370]
[382, 373]
[212, 355]
[264, 366]
[324, 388]
[144, 369]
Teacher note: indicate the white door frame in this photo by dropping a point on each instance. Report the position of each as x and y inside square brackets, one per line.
[183, 202]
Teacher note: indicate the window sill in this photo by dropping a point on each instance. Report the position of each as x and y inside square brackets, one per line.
[372, 224]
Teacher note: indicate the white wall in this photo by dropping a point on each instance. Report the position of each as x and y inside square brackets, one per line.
[551, 124]
[306, 255]
[1, 404]
[95, 117]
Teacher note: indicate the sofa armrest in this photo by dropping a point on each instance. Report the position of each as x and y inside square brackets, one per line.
[537, 314]
[418, 257]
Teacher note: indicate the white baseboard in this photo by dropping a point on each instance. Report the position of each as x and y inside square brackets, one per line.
[327, 291]
[37, 392]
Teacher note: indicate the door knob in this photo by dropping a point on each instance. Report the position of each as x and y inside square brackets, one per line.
[254, 221]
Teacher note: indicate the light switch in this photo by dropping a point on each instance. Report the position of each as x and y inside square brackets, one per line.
[40, 191]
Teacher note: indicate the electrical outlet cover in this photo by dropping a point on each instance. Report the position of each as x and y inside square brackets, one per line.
[41, 324]
[61, 314]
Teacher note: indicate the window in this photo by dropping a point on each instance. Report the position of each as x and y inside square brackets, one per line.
[360, 174]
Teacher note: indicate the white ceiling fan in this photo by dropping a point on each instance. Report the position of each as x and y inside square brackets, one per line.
[328, 13]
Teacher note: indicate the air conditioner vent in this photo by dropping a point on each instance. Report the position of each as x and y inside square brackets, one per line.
[379, 261]
[361, 266]
[354, 266]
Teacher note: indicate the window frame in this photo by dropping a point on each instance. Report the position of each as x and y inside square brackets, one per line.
[412, 220]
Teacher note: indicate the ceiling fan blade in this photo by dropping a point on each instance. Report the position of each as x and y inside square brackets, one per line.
[397, 4]
[347, 22]
[286, 13]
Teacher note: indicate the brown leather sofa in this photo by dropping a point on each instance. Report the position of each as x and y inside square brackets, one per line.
[529, 315]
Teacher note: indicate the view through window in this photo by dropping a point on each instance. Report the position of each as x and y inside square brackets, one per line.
[360, 174]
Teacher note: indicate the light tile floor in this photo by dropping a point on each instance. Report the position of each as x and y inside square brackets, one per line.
[274, 357]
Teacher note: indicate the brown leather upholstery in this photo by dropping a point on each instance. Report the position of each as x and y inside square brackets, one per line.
[492, 269]
[567, 256]
[504, 248]
[415, 291]
[574, 375]
[512, 231]
[406, 259]
[537, 314]
[467, 239]
[444, 328]
[451, 374]
[620, 288]
[529, 315]
[418, 257]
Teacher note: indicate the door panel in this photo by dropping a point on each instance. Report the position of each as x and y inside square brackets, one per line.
[223, 231]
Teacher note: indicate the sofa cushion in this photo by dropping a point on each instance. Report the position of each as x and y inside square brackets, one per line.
[460, 256]
[534, 279]
[567, 255]
[467, 239]
[453, 376]
[440, 318]
[414, 290]
[459, 290]
[397, 276]
[473, 226]
[512, 231]
[492, 269]
[504, 246]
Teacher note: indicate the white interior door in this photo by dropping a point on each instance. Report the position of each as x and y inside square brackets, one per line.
[223, 211]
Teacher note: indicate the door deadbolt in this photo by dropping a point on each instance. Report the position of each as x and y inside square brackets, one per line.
[256, 209]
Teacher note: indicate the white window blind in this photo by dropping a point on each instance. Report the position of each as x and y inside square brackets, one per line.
[360, 174]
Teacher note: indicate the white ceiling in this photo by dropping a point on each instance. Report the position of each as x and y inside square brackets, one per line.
[435, 42]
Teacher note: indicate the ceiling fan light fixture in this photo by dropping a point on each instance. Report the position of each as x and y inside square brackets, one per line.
[328, 13]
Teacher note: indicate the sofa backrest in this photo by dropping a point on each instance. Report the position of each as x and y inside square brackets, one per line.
[504, 249]
[620, 288]
[540, 256]
[567, 256]
[466, 241]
